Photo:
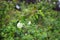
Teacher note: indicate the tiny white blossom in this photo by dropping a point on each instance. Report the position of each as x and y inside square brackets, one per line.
[25, 33]
[19, 25]
[17, 6]
[54, 2]
[29, 22]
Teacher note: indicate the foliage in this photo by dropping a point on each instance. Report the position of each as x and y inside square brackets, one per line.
[40, 21]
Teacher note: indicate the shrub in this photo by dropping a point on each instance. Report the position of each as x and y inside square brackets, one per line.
[39, 21]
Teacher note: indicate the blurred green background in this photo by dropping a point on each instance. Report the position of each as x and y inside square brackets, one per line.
[33, 22]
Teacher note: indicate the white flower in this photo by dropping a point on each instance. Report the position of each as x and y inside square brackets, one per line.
[17, 6]
[29, 22]
[25, 33]
[54, 2]
[19, 25]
